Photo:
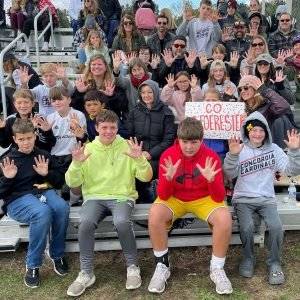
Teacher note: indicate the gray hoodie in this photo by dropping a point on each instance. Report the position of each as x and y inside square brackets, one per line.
[255, 167]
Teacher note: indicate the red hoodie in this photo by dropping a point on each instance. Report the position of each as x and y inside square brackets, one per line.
[188, 184]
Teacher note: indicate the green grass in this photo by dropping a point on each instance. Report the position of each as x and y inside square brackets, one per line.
[189, 279]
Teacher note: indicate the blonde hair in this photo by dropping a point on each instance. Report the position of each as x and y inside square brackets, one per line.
[88, 42]
[171, 20]
[260, 37]
[89, 78]
[47, 68]
[213, 91]
[87, 12]
[254, 103]
[23, 93]
[211, 82]
[18, 4]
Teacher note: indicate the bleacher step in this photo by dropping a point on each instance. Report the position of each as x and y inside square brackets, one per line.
[9, 244]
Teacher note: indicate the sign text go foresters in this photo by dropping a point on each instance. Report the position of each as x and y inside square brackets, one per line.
[221, 120]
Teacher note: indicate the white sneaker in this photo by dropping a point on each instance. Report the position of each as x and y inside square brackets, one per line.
[82, 282]
[134, 280]
[159, 279]
[22, 46]
[45, 47]
[223, 284]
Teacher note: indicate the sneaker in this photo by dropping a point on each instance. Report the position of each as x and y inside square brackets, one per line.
[45, 47]
[60, 266]
[276, 276]
[223, 284]
[246, 268]
[32, 278]
[82, 282]
[159, 279]
[134, 280]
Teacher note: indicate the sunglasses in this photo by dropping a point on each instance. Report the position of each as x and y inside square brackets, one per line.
[257, 44]
[239, 26]
[127, 23]
[285, 20]
[243, 88]
[179, 46]
[263, 63]
[162, 23]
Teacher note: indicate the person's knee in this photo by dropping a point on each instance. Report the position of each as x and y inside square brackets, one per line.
[86, 226]
[275, 227]
[221, 219]
[122, 224]
[246, 228]
[159, 217]
[42, 215]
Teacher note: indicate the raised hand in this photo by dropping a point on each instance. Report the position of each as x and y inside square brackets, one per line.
[249, 56]
[279, 77]
[109, 88]
[209, 171]
[168, 57]
[60, 71]
[41, 165]
[81, 86]
[171, 81]
[135, 149]
[117, 60]
[40, 122]
[203, 60]
[24, 76]
[78, 153]
[235, 147]
[229, 89]
[280, 57]
[155, 61]
[293, 142]
[169, 168]
[193, 81]
[190, 58]
[253, 30]
[131, 56]
[234, 59]
[8, 167]
[75, 127]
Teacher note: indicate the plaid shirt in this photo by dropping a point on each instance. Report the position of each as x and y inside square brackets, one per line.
[278, 41]
[79, 36]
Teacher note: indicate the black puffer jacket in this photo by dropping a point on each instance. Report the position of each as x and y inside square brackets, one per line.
[155, 126]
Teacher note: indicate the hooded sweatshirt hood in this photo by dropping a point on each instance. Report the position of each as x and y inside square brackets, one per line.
[256, 116]
[154, 87]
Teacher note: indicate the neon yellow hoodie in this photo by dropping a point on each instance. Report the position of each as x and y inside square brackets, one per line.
[108, 173]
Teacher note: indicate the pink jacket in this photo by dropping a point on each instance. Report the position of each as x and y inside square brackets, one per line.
[177, 99]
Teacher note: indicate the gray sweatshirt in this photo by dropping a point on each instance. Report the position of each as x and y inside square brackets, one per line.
[255, 167]
[202, 35]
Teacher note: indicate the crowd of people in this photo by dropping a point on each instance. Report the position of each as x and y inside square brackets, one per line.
[118, 134]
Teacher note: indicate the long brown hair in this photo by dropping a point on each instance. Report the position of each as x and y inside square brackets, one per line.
[86, 12]
[89, 78]
[188, 96]
[121, 31]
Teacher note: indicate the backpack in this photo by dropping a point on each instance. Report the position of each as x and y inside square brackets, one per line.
[145, 18]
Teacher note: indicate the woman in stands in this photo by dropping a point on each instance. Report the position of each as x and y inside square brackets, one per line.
[90, 7]
[98, 76]
[128, 38]
[33, 9]
[274, 108]
[273, 78]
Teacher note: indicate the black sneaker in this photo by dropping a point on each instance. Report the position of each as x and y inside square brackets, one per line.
[60, 266]
[32, 278]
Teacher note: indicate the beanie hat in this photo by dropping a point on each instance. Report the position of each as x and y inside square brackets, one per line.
[253, 14]
[253, 123]
[232, 3]
[283, 8]
[179, 38]
[90, 22]
[250, 80]
[296, 40]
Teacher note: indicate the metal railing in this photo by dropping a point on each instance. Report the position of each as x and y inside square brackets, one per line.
[38, 36]
[2, 81]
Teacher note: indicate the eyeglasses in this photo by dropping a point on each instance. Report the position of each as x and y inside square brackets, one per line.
[179, 46]
[285, 20]
[162, 23]
[127, 23]
[257, 44]
[239, 23]
[245, 88]
[262, 63]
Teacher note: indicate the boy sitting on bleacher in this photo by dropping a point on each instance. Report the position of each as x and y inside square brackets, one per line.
[52, 75]
[190, 181]
[27, 183]
[106, 170]
[254, 163]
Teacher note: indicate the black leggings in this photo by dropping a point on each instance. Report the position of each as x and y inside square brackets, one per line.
[41, 24]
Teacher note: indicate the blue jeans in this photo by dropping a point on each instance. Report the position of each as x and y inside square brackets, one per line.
[110, 30]
[81, 55]
[75, 25]
[41, 217]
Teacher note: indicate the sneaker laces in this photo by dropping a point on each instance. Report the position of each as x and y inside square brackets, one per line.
[160, 272]
[220, 276]
[132, 270]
